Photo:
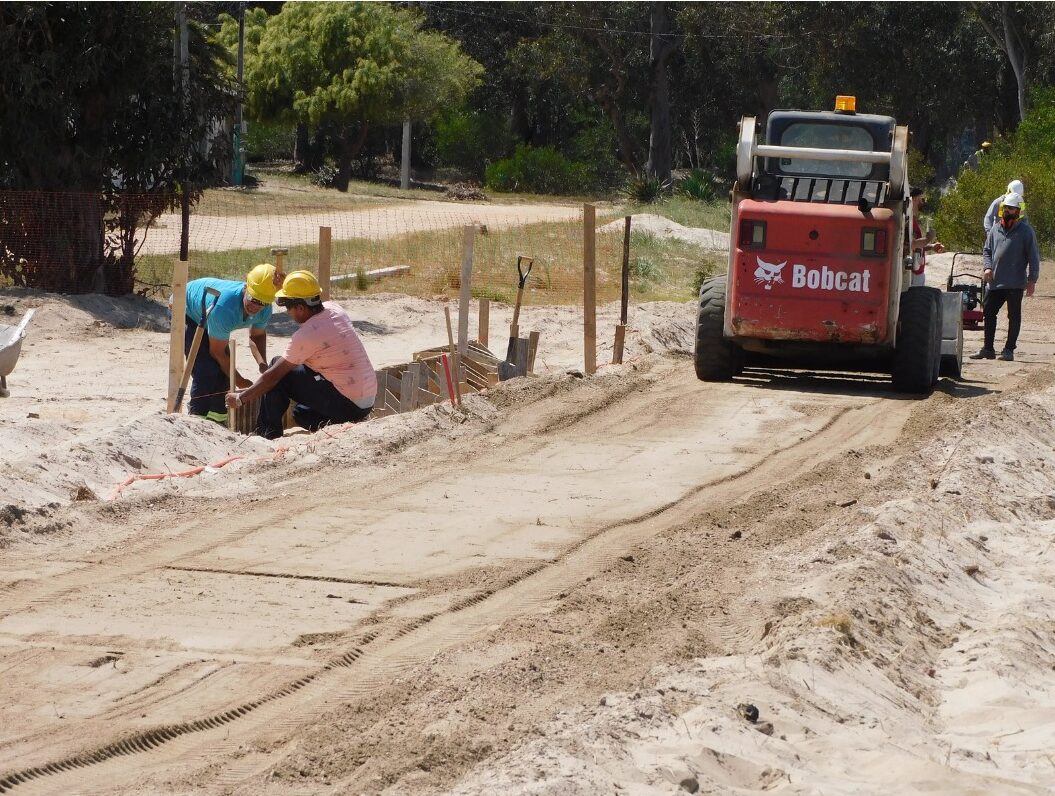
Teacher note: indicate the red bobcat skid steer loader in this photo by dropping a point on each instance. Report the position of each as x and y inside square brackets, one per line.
[819, 257]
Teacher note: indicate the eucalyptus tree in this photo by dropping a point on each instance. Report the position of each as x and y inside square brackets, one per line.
[342, 68]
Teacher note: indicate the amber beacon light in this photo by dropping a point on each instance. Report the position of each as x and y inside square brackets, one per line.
[845, 103]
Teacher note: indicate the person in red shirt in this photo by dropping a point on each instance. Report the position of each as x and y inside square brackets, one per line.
[325, 370]
[920, 243]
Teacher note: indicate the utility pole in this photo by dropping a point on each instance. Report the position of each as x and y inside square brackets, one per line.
[404, 170]
[239, 130]
[184, 59]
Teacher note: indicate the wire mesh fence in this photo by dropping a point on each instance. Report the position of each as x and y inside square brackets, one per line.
[75, 243]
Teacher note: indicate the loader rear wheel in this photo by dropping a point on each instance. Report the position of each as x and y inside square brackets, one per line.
[918, 351]
[716, 358]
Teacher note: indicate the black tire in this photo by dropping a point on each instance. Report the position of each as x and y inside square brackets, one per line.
[716, 358]
[918, 351]
[937, 335]
[952, 364]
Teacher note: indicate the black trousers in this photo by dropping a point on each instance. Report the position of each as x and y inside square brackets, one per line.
[208, 381]
[993, 302]
[318, 403]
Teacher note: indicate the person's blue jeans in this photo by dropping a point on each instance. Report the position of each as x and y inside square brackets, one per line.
[209, 383]
[317, 403]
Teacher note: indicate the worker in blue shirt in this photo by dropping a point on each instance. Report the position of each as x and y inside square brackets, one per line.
[241, 305]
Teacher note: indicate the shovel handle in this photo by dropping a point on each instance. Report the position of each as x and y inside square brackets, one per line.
[521, 274]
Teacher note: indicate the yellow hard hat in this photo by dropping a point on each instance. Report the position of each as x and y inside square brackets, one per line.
[300, 285]
[260, 282]
[986, 144]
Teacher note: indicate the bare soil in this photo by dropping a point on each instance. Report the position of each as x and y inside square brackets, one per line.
[571, 585]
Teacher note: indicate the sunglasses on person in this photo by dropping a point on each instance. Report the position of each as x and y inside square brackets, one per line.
[252, 302]
[1010, 214]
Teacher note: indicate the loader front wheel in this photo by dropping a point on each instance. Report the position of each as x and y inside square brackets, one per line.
[716, 358]
[918, 350]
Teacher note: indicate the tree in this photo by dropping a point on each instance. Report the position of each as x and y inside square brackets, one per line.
[89, 108]
[341, 68]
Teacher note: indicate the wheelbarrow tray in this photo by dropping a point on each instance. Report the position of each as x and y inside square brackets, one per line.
[11, 338]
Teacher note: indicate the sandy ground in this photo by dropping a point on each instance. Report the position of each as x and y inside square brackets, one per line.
[568, 586]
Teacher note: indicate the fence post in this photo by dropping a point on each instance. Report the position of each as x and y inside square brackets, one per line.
[468, 237]
[620, 330]
[589, 287]
[324, 262]
[177, 327]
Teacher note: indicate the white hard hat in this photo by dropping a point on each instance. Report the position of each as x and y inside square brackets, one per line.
[1016, 186]
[1012, 200]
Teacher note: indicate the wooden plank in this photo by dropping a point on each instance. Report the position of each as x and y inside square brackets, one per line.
[232, 414]
[325, 250]
[177, 330]
[484, 327]
[468, 236]
[408, 390]
[521, 356]
[379, 398]
[589, 288]
[376, 273]
[532, 350]
[617, 349]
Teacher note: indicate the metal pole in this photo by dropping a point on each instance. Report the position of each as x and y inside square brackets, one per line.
[184, 54]
[239, 164]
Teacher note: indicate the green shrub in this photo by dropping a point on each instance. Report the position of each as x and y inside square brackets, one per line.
[470, 140]
[1028, 155]
[539, 170]
[265, 141]
[697, 185]
[645, 189]
[920, 171]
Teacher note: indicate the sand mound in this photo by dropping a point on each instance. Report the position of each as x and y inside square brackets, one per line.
[659, 226]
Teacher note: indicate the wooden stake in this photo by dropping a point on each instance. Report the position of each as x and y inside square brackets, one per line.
[532, 350]
[450, 331]
[589, 290]
[466, 293]
[232, 414]
[625, 285]
[177, 329]
[617, 349]
[324, 261]
[485, 322]
[450, 384]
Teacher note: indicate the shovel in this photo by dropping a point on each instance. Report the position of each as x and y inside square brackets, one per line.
[507, 369]
[195, 345]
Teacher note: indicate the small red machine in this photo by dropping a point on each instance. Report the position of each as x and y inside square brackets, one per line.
[972, 293]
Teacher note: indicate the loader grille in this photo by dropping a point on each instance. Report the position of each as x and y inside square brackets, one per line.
[827, 190]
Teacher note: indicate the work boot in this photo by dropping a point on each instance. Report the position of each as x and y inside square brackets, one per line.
[984, 353]
[1007, 355]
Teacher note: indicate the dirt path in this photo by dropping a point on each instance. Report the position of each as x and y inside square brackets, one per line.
[546, 588]
[224, 233]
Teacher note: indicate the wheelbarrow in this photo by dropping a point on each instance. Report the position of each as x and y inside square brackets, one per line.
[11, 338]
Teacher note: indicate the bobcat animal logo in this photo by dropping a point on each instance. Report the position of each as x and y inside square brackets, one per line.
[768, 274]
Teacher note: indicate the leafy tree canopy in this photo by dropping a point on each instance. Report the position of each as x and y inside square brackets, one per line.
[343, 67]
[89, 103]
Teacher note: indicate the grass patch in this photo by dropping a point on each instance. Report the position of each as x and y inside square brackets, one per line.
[663, 269]
[687, 212]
